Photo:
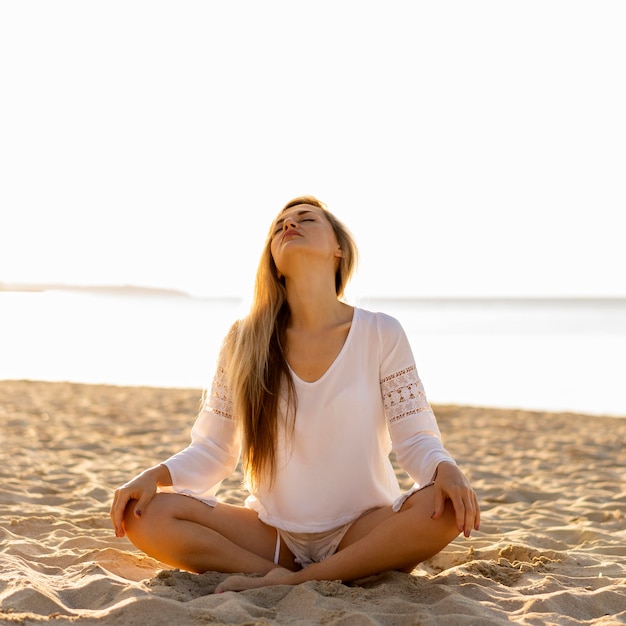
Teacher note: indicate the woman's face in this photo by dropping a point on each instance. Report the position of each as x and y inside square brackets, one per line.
[304, 230]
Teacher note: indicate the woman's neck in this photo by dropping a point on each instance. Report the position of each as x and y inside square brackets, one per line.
[315, 307]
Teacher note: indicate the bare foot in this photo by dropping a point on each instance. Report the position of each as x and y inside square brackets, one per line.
[276, 576]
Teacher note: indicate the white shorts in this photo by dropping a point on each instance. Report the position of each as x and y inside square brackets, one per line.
[310, 548]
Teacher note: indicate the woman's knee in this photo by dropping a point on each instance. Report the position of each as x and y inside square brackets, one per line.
[422, 504]
[138, 525]
[130, 518]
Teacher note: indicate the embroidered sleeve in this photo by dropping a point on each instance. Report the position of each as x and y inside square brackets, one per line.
[403, 394]
[215, 445]
[415, 435]
[218, 400]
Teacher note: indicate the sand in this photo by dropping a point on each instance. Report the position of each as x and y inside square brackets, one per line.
[551, 549]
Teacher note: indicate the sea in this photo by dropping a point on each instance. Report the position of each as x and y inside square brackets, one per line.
[547, 354]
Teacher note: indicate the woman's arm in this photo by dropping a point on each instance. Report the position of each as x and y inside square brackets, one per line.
[415, 434]
[197, 470]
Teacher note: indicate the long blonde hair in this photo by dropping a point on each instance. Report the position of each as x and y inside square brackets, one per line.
[254, 357]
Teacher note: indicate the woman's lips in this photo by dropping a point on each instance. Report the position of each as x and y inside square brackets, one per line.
[290, 233]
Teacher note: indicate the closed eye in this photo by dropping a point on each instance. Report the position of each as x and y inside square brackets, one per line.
[279, 228]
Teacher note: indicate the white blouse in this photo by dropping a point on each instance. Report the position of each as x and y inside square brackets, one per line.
[335, 466]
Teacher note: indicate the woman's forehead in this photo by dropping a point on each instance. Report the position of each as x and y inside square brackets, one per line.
[297, 210]
[304, 206]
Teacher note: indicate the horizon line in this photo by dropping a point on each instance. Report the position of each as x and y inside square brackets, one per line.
[131, 289]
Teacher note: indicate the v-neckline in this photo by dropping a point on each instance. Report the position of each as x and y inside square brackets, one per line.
[334, 361]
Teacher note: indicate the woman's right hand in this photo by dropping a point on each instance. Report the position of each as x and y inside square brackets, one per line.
[141, 488]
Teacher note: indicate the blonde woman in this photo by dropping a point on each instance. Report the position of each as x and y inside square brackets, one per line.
[312, 394]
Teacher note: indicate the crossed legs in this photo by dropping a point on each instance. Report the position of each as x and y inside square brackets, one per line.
[188, 534]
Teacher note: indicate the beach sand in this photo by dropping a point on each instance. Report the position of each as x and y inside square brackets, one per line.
[551, 549]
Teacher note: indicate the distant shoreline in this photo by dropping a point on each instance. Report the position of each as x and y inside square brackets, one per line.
[129, 290]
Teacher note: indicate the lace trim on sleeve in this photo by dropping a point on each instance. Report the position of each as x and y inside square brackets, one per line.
[403, 394]
[218, 401]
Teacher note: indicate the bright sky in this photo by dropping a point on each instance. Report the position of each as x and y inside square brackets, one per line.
[474, 148]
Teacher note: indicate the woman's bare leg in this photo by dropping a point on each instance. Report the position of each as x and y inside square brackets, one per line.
[191, 535]
[379, 541]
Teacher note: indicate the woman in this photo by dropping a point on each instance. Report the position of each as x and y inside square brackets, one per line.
[313, 394]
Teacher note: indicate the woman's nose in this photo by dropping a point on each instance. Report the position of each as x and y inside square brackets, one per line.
[289, 223]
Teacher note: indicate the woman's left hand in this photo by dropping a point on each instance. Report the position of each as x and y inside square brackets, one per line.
[451, 484]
